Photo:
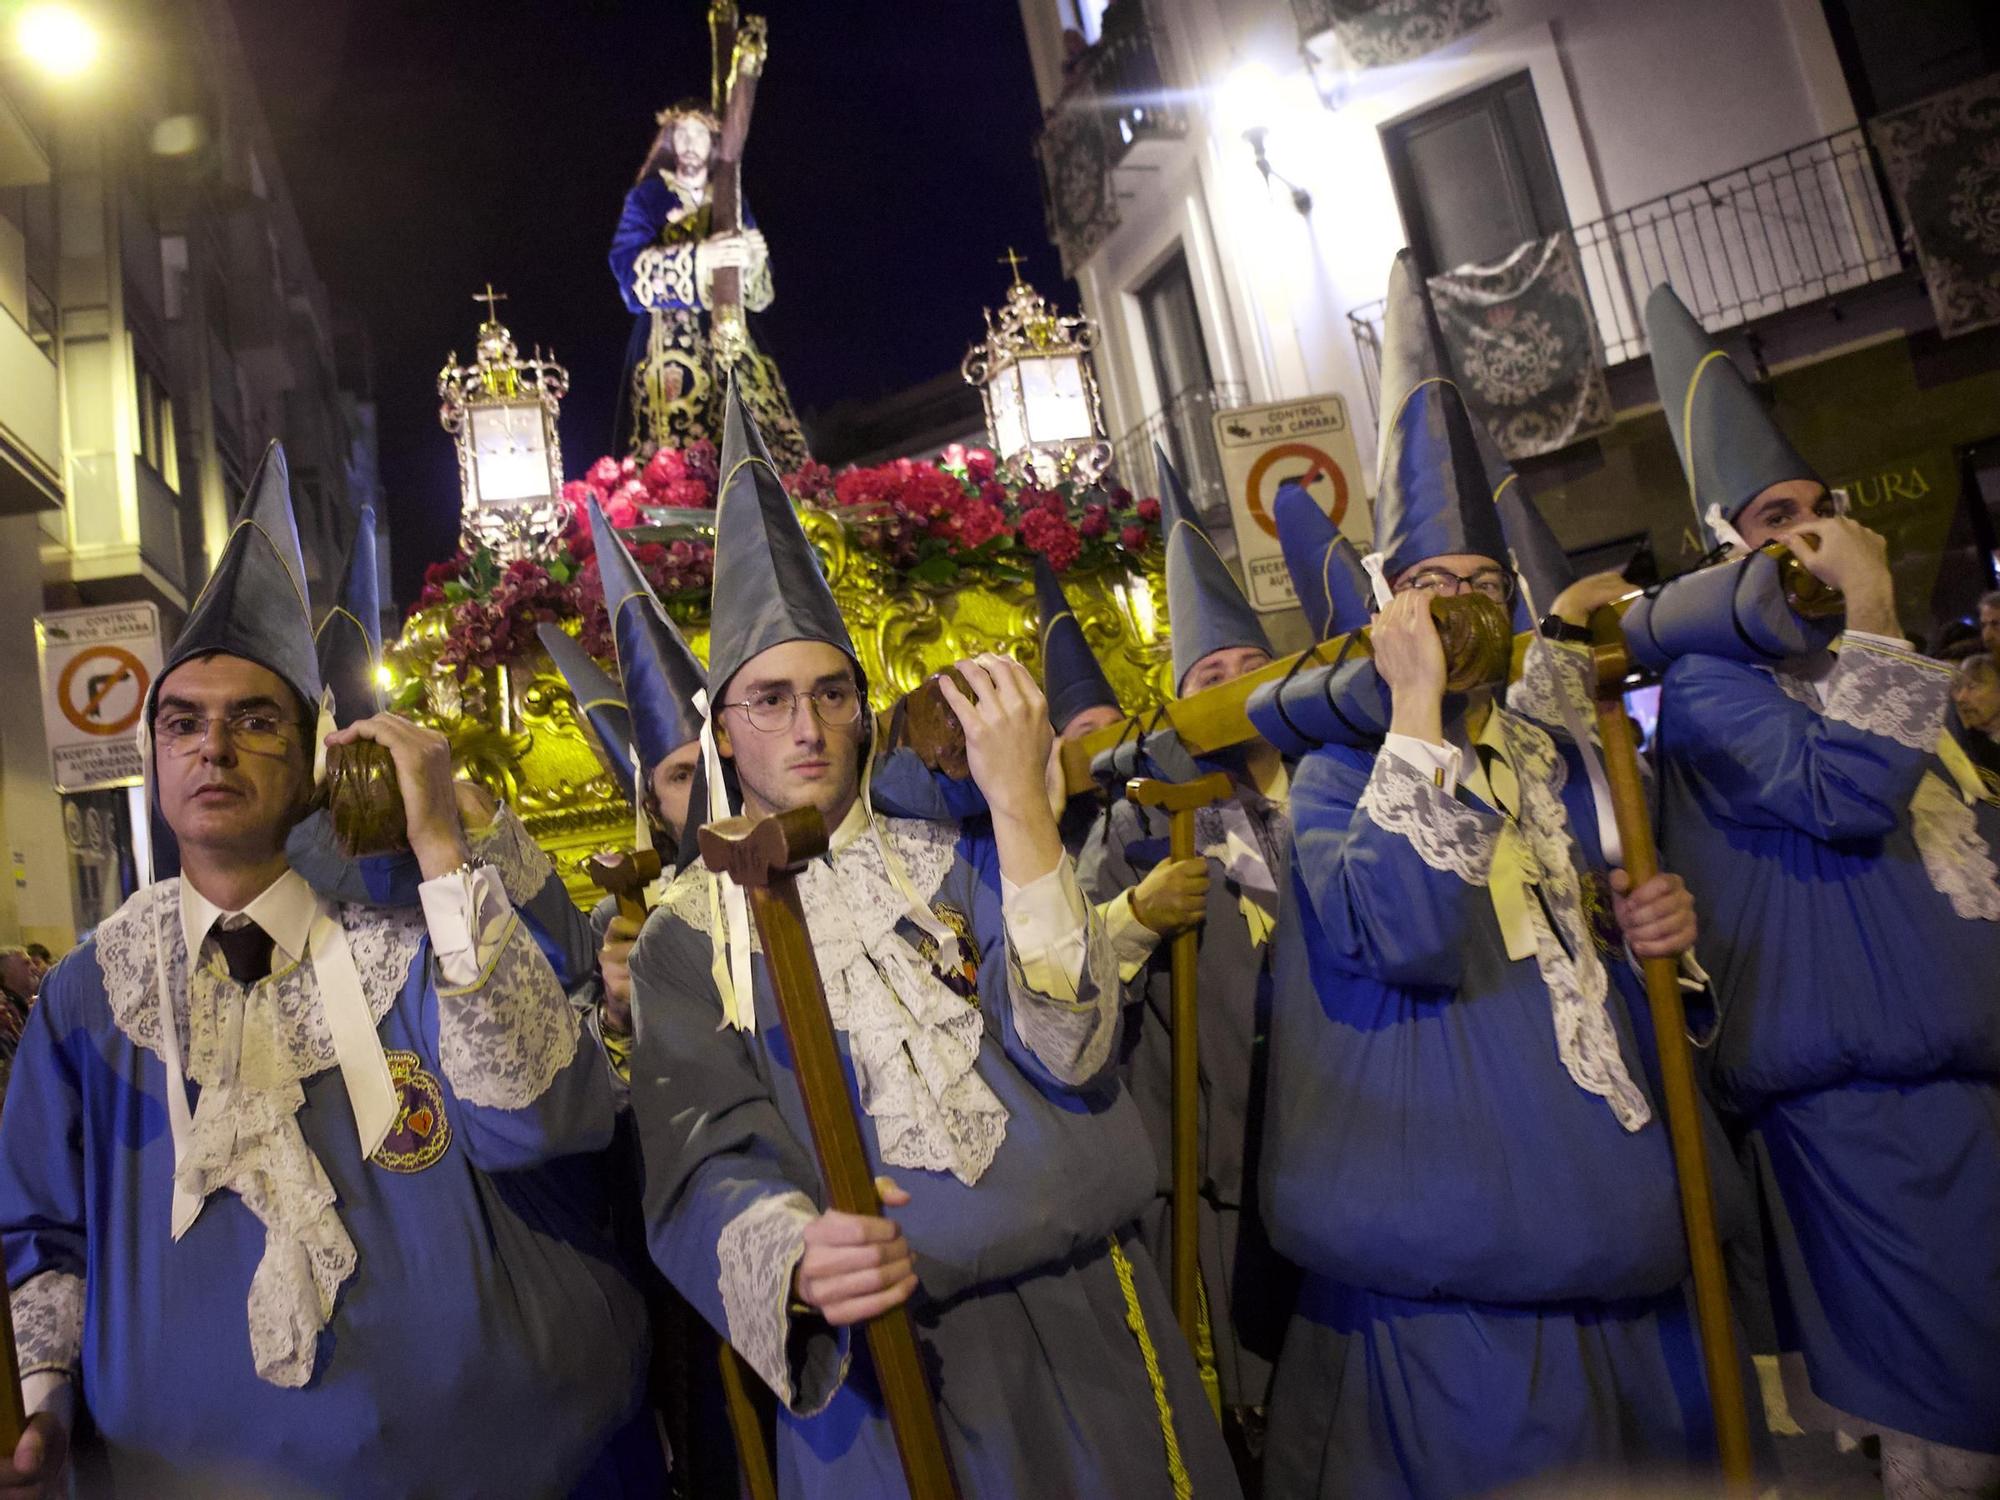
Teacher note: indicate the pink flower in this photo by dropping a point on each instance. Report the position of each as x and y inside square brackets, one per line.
[577, 495]
[953, 456]
[1121, 498]
[979, 464]
[1149, 511]
[1096, 520]
[603, 474]
[1134, 538]
[620, 511]
[662, 469]
[1049, 533]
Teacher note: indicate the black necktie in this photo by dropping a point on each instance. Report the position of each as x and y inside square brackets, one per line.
[247, 951]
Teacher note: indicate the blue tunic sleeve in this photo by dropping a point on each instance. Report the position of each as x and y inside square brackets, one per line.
[1392, 868]
[1762, 759]
[42, 1212]
[508, 1044]
[651, 275]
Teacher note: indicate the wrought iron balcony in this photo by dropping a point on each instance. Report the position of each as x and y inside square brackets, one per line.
[1791, 230]
[1185, 429]
[1114, 101]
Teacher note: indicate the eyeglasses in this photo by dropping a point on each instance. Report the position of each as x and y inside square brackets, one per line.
[1495, 583]
[773, 710]
[256, 731]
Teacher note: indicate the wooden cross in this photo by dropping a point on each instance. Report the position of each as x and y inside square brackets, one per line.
[490, 298]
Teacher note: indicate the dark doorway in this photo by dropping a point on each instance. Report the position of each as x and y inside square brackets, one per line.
[1895, 52]
[1474, 177]
[1180, 370]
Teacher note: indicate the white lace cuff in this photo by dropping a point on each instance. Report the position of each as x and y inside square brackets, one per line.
[1955, 853]
[756, 1254]
[1448, 836]
[1437, 764]
[1132, 940]
[1555, 672]
[505, 846]
[48, 1323]
[503, 1038]
[1888, 690]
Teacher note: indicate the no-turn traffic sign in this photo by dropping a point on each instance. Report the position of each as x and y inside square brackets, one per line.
[1263, 447]
[97, 666]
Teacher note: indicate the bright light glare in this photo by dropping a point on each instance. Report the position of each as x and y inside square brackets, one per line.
[1246, 97]
[57, 39]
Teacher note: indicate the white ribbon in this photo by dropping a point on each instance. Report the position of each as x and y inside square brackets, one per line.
[1372, 565]
[1725, 532]
[1608, 841]
[729, 912]
[356, 1046]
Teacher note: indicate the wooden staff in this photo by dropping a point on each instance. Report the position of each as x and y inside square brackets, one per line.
[625, 877]
[1677, 1085]
[760, 855]
[1179, 801]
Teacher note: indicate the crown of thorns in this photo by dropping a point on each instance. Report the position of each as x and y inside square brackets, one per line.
[688, 109]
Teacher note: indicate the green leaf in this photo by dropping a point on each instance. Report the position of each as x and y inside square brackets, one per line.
[456, 592]
[937, 570]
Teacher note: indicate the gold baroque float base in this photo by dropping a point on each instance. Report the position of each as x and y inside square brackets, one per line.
[515, 729]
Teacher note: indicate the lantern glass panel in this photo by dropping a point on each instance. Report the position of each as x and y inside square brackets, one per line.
[1058, 409]
[509, 452]
[1010, 424]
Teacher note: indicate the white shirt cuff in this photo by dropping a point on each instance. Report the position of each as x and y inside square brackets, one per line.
[1047, 924]
[52, 1392]
[1131, 939]
[467, 912]
[1437, 764]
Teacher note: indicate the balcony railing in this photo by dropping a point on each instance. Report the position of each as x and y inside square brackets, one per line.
[1784, 232]
[1119, 78]
[1185, 429]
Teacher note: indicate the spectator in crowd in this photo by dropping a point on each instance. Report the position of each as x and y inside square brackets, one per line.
[1989, 621]
[1975, 693]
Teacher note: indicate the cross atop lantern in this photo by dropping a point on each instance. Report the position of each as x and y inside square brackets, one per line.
[501, 411]
[1043, 413]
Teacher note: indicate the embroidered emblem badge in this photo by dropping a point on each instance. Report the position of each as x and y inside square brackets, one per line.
[1594, 892]
[421, 1133]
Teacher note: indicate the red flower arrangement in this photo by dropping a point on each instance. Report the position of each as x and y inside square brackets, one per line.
[930, 521]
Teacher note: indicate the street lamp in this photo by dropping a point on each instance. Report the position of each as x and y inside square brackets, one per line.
[1033, 370]
[58, 39]
[501, 410]
[1246, 101]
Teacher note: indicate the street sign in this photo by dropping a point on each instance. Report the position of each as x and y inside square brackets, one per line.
[1262, 447]
[97, 666]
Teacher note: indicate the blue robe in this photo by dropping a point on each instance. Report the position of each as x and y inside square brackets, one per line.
[1023, 1312]
[486, 1341]
[1493, 1257]
[1860, 1042]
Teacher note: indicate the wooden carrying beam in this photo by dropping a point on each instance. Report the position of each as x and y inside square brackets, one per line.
[761, 855]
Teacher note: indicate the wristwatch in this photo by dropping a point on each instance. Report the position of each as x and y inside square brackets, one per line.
[1556, 628]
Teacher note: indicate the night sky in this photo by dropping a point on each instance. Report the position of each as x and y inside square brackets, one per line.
[431, 147]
